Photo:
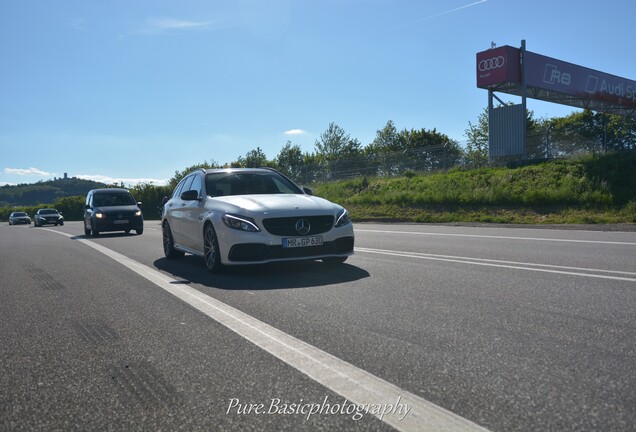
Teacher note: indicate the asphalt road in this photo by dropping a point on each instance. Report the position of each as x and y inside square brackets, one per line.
[504, 328]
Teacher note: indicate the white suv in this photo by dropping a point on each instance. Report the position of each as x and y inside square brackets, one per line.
[252, 216]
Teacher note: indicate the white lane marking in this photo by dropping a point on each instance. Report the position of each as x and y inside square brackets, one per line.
[498, 237]
[422, 254]
[355, 384]
[502, 264]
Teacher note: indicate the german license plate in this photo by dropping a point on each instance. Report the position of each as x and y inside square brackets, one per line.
[120, 221]
[302, 242]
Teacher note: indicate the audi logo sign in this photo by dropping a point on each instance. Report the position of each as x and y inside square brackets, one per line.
[492, 63]
[497, 66]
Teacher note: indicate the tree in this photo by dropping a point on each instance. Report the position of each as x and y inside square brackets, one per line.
[429, 150]
[335, 143]
[477, 147]
[254, 159]
[387, 140]
[72, 208]
[591, 132]
[151, 196]
[290, 160]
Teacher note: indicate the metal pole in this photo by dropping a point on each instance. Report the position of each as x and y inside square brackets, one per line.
[524, 94]
[490, 129]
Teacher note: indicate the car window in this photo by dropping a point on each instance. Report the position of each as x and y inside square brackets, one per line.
[196, 184]
[187, 184]
[180, 187]
[284, 187]
[241, 183]
[113, 199]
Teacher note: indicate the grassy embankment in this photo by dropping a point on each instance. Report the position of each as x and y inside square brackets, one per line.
[591, 190]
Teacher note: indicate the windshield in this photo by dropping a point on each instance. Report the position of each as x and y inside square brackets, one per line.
[248, 183]
[46, 212]
[19, 214]
[113, 199]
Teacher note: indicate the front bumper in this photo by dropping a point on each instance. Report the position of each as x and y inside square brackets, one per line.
[239, 247]
[260, 253]
[111, 224]
[44, 221]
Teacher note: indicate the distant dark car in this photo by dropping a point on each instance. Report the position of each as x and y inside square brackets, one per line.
[112, 210]
[17, 218]
[48, 216]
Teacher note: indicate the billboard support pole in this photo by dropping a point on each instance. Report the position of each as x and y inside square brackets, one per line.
[524, 94]
[490, 128]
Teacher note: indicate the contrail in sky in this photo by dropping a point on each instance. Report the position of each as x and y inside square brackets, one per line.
[436, 15]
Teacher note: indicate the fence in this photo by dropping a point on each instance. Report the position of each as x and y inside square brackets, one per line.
[545, 144]
[429, 159]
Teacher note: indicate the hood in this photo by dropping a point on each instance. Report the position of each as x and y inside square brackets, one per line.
[278, 203]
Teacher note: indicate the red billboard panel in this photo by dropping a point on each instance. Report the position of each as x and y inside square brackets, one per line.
[498, 66]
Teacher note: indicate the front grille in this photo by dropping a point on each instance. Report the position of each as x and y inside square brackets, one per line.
[119, 215]
[287, 226]
[259, 252]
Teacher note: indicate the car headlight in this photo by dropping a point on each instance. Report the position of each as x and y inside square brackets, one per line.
[99, 215]
[240, 223]
[343, 218]
[138, 213]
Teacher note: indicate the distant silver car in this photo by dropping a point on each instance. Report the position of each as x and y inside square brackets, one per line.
[17, 218]
[48, 216]
[252, 216]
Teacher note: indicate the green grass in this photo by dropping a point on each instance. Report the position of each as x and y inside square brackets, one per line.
[590, 190]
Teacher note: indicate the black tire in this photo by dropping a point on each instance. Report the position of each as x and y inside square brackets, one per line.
[87, 232]
[140, 231]
[334, 260]
[61, 223]
[168, 243]
[211, 254]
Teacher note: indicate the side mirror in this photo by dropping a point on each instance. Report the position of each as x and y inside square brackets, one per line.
[86, 207]
[139, 204]
[190, 195]
[307, 190]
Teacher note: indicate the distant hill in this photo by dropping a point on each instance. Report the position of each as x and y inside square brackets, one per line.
[45, 192]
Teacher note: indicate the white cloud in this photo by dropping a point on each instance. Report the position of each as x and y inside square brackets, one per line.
[295, 132]
[159, 24]
[127, 181]
[28, 172]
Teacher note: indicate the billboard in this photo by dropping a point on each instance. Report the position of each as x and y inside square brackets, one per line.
[553, 80]
[498, 66]
[555, 75]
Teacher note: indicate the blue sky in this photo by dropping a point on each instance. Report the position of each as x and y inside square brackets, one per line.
[134, 90]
